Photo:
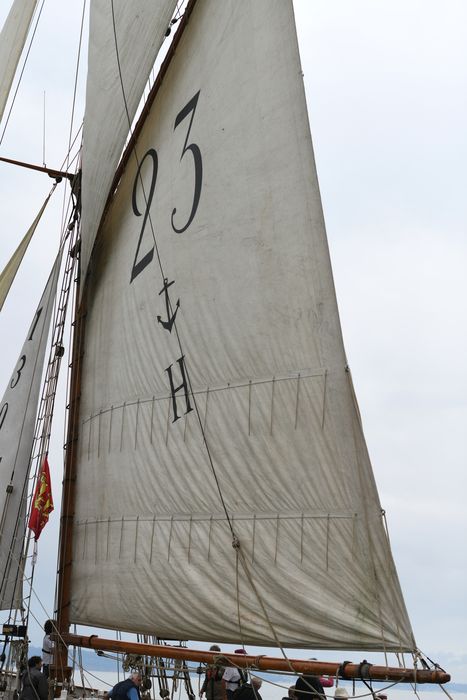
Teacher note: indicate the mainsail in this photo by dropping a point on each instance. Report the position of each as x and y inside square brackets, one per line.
[214, 373]
[124, 38]
[12, 40]
[18, 410]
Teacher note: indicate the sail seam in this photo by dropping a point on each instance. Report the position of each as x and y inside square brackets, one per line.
[200, 392]
[216, 518]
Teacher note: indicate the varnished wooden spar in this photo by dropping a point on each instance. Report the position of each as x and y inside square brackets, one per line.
[57, 174]
[263, 663]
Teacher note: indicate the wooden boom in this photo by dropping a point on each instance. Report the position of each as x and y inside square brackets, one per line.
[346, 671]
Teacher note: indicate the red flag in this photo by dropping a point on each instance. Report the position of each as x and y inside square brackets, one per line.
[42, 502]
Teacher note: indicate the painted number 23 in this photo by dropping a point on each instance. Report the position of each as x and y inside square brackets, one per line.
[140, 262]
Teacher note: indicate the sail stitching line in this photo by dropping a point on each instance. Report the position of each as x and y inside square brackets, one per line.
[200, 392]
[242, 518]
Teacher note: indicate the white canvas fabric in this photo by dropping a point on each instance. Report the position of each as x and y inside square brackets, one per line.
[12, 40]
[8, 273]
[228, 176]
[18, 410]
[137, 28]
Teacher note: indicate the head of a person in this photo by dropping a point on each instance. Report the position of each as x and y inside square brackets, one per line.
[256, 683]
[240, 651]
[48, 627]
[136, 678]
[34, 662]
[214, 647]
[291, 692]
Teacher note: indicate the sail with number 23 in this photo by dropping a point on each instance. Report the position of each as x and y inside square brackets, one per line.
[217, 483]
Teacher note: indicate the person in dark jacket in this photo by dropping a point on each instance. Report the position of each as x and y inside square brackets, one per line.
[309, 688]
[249, 691]
[34, 685]
[128, 689]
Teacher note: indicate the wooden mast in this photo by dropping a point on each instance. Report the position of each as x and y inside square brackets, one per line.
[61, 670]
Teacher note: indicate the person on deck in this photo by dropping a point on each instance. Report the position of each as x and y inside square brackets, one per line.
[309, 688]
[33, 683]
[249, 691]
[290, 694]
[127, 689]
[47, 648]
[233, 677]
[214, 684]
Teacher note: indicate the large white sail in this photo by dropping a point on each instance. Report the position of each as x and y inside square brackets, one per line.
[237, 304]
[124, 38]
[18, 410]
[12, 40]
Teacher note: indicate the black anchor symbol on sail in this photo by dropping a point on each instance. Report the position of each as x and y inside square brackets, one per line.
[170, 318]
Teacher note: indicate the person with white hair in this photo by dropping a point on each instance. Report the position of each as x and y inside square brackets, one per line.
[127, 689]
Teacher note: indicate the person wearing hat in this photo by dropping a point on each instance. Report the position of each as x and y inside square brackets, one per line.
[214, 684]
[234, 677]
[341, 693]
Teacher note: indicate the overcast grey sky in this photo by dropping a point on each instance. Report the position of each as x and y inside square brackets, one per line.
[386, 84]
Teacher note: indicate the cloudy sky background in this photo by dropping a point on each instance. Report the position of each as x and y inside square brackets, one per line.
[386, 84]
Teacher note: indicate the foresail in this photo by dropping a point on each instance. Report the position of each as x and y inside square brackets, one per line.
[9, 272]
[213, 358]
[18, 410]
[12, 40]
[124, 39]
